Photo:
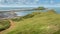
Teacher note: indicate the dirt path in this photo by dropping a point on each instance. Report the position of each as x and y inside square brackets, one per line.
[11, 27]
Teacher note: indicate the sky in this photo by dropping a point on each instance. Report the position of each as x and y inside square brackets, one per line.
[29, 3]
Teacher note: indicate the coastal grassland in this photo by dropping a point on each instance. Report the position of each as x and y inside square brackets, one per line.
[39, 23]
[4, 24]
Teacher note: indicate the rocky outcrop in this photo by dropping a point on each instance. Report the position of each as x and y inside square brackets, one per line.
[7, 14]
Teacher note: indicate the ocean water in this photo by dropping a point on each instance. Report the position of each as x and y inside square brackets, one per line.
[57, 9]
[23, 13]
[13, 8]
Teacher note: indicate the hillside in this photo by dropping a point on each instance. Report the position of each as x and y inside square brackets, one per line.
[37, 23]
[40, 8]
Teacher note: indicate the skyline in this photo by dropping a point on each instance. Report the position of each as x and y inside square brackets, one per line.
[29, 3]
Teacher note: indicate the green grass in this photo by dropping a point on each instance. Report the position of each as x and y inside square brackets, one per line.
[4, 24]
[58, 32]
[40, 23]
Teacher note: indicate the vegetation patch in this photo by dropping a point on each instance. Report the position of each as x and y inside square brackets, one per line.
[4, 24]
[37, 23]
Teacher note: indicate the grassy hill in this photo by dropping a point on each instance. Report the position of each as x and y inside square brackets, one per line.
[4, 24]
[40, 8]
[37, 23]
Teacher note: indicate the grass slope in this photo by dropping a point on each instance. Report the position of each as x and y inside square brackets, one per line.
[4, 24]
[40, 23]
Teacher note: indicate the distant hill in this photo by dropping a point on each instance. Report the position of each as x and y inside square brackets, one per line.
[40, 8]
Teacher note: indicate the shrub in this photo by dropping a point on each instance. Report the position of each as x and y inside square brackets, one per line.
[51, 11]
[40, 8]
[4, 24]
[23, 17]
[28, 16]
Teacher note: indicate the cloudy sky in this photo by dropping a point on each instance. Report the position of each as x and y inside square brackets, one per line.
[29, 3]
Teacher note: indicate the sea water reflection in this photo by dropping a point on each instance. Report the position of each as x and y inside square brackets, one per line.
[23, 13]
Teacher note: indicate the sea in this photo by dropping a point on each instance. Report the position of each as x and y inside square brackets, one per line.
[23, 13]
